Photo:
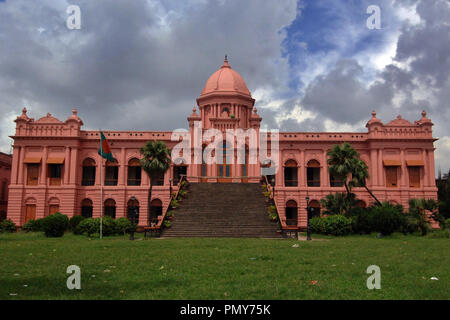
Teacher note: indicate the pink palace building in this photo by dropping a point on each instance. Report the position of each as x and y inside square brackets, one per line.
[56, 167]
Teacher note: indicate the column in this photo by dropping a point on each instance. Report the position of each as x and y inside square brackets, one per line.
[402, 168]
[67, 165]
[325, 176]
[432, 172]
[122, 167]
[15, 164]
[301, 169]
[373, 167]
[43, 178]
[20, 166]
[380, 180]
[74, 165]
[426, 169]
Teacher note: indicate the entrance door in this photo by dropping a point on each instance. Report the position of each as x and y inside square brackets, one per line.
[30, 212]
[224, 168]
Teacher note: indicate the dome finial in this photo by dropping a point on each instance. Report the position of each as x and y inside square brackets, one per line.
[226, 57]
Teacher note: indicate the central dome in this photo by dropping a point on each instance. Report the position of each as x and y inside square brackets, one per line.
[225, 80]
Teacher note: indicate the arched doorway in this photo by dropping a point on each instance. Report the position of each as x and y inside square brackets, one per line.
[53, 206]
[291, 213]
[314, 206]
[110, 208]
[313, 173]
[134, 172]
[290, 173]
[30, 209]
[224, 163]
[88, 178]
[86, 208]
[155, 211]
[133, 204]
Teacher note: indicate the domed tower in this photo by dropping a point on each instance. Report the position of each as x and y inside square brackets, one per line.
[225, 101]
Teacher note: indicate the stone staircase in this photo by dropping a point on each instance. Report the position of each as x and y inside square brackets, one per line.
[234, 210]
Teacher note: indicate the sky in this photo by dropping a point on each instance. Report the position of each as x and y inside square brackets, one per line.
[311, 65]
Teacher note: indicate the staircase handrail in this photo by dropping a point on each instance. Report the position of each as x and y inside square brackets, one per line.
[160, 224]
[272, 196]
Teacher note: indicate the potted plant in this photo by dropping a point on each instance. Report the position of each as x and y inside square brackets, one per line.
[169, 215]
[167, 224]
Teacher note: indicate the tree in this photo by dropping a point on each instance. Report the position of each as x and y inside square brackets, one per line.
[360, 174]
[344, 160]
[418, 208]
[341, 161]
[155, 161]
[338, 203]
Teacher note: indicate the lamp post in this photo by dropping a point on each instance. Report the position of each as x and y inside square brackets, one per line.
[308, 231]
[273, 187]
[132, 216]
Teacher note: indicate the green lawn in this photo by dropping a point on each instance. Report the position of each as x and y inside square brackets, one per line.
[116, 268]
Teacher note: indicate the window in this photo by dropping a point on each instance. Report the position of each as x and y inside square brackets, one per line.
[110, 208]
[134, 172]
[86, 208]
[133, 209]
[335, 181]
[111, 173]
[178, 171]
[88, 178]
[313, 173]
[391, 177]
[290, 174]
[414, 177]
[55, 173]
[155, 211]
[314, 206]
[4, 188]
[291, 213]
[32, 174]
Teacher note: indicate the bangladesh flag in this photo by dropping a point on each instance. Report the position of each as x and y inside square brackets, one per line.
[105, 150]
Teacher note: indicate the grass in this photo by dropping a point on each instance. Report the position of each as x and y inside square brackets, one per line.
[116, 268]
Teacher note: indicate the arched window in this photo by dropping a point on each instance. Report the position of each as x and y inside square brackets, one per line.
[111, 173]
[291, 213]
[313, 173]
[134, 172]
[290, 173]
[361, 204]
[155, 211]
[53, 206]
[88, 178]
[110, 208]
[315, 208]
[133, 208]
[179, 170]
[86, 208]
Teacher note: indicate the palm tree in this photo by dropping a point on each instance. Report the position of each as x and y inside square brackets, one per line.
[360, 174]
[341, 162]
[418, 209]
[338, 203]
[155, 161]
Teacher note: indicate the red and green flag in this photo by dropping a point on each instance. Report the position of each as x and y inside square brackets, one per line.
[105, 150]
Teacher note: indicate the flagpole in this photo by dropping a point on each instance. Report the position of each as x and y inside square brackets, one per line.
[101, 194]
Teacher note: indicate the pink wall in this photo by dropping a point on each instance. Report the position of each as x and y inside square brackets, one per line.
[5, 176]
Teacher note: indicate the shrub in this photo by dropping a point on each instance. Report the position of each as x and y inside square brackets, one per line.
[409, 224]
[88, 226]
[108, 226]
[316, 224]
[361, 220]
[386, 218]
[7, 225]
[75, 221]
[447, 223]
[33, 226]
[123, 226]
[55, 225]
[337, 225]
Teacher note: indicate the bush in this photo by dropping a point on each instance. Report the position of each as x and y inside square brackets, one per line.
[74, 222]
[33, 226]
[108, 226]
[337, 225]
[361, 221]
[55, 225]
[316, 225]
[409, 225]
[123, 226]
[7, 225]
[447, 223]
[88, 226]
[386, 218]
